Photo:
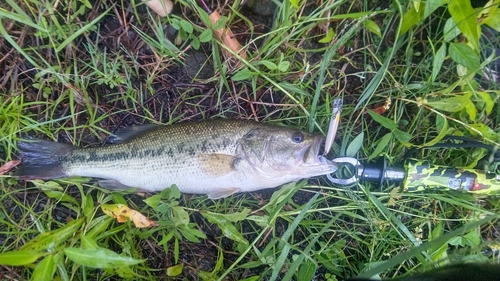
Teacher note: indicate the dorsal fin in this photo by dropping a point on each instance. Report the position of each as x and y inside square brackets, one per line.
[128, 133]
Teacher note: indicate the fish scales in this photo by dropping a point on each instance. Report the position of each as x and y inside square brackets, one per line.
[168, 162]
[215, 157]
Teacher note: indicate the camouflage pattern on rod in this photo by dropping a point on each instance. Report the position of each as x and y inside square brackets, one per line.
[422, 175]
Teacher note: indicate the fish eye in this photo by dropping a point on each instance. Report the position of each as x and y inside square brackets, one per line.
[297, 137]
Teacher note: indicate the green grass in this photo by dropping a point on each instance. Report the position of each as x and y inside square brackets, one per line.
[76, 73]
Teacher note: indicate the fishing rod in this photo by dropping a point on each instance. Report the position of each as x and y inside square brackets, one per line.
[418, 175]
[414, 175]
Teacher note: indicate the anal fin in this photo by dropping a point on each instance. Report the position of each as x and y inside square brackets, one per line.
[113, 185]
[222, 192]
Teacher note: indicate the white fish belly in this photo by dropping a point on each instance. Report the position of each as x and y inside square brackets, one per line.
[154, 175]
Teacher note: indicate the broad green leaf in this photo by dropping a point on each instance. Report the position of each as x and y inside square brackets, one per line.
[99, 258]
[269, 64]
[180, 216]
[175, 270]
[203, 15]
[228, 229]
[61, 196]
[401, 136]
[355, 145]
[52, 239]
[261, 221]
[186, 26]
[175, 192]
[87, 4]
[470, 239]
[166, 238]
[88, 206]
[45, 269]
[243, 74]
[453, 104]
[195, 43]
[192, 234]
[494, 21]
[440, 253]
[252, 264]
[488, 102]
[450, 30]
[385, 122]
[417, 13]
[236, 216]
[382, 144]
[463, 54]
[474, 237]
[464, 15]
[470, 108]
[118, 198]
[282, 193]
[206, 36]
[283, 66]
[439, 250]
[294, 3]
[442, 127]
[98, 226]
[153, 201]
[486, 131]
[47, 185]
[329, 36]
[16, 258]
[220, 23]
[207, 276]
[432, 5]
[88, 242]
[410, 19]
[127, 273]
[416, 4]
[438, 61]
[307, 270]
[462, 70]
[373, 27]
[488, 11]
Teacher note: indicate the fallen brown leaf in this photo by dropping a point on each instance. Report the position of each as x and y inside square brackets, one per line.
[5, 168]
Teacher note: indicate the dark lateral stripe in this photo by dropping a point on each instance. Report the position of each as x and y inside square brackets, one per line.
[101, 156]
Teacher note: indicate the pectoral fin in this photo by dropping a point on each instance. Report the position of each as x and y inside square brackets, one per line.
[217, 165]
[222, 192]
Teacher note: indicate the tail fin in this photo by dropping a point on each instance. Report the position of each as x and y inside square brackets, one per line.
[41, 159]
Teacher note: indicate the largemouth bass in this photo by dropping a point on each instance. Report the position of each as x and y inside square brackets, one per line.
[214, 157]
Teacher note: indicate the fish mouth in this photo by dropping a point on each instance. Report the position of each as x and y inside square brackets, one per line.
[313, 159]
[312, 153]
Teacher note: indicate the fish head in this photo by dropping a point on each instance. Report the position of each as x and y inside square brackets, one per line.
[284, 155]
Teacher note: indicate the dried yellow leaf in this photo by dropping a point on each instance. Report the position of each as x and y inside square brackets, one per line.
[122, 213]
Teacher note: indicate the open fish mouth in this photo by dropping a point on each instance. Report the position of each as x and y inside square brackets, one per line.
[312, 153]
[314, 158]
